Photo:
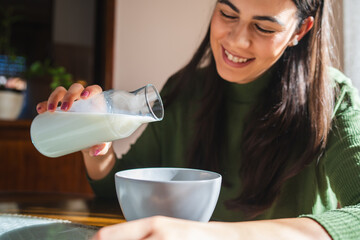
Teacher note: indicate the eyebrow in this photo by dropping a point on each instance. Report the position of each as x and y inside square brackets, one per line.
[232, 6]
[268, 18]
[260, 18]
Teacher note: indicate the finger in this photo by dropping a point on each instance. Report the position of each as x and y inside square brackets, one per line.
[41, 107]
[71, 95]
[100, 149]
[90, 91]
[55, 97]
[135, 230]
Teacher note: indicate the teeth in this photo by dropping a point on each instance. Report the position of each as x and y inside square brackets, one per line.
[235, 59]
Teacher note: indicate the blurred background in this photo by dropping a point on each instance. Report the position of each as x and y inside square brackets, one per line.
[59, 42]
[122, 44]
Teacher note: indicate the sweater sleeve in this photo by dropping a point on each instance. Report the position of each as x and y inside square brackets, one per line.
[342, 167]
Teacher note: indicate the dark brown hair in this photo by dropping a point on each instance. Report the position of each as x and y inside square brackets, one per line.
[297, 112]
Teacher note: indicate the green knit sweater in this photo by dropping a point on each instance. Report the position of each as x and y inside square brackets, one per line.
[316, 192]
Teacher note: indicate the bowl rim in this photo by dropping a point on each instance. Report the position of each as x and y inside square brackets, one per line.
[216, 176]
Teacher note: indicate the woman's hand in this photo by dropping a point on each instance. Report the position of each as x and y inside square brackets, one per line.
[98, 159]
[67, 98]
[165, 228]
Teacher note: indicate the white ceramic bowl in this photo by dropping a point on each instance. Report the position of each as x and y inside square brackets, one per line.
[174, 192]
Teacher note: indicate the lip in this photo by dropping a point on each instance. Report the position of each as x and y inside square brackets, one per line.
[233, 64]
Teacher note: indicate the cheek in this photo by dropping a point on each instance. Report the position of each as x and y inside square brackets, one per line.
[217, 30]
[272, 48]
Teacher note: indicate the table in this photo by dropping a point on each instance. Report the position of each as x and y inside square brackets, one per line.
[77, 208]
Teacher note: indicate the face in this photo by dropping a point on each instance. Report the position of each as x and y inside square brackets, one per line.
[248, 37]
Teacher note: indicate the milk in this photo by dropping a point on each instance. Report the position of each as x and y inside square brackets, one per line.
[60, 133]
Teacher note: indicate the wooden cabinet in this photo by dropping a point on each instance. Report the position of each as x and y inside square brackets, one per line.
[23, 168]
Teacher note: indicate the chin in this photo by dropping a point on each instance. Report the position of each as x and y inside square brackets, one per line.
[231, 79]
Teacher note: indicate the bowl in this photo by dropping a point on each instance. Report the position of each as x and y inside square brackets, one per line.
[183, 193]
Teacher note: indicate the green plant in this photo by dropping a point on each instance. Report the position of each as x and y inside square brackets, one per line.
[58, 74]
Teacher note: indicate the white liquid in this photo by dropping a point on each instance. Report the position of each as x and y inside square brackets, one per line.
[60, 133]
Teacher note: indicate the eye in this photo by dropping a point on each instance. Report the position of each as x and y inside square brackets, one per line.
[227, 16]
[263, 30]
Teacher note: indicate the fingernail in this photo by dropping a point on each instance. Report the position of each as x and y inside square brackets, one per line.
[64, 106]
[38, 108]
[85, 93]
[51, 106]
[96, 152]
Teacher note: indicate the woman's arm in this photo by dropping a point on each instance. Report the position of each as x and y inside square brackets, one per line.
[169, 228]
[99, 160]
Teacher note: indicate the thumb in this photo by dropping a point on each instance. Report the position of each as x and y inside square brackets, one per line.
[100, 149]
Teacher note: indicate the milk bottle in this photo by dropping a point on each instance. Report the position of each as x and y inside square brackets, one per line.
[105, 117]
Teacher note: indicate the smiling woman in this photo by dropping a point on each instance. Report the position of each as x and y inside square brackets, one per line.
[291, 105]
[259, 103]
[240, 37]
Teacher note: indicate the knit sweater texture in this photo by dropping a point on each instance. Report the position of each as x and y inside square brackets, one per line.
[328, 190]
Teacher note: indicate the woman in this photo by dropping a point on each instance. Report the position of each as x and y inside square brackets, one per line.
[259, 104]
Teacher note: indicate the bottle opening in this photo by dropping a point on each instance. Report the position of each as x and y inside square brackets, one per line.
[154, 102]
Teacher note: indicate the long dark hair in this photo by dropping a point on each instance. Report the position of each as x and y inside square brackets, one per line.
[297, 112]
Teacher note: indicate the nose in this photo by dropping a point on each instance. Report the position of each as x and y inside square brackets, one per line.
[240, 36]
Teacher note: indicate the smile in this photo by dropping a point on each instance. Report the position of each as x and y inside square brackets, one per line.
[236, 59]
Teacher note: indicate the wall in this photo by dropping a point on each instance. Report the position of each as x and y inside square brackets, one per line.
[153, 39]
[351, 40]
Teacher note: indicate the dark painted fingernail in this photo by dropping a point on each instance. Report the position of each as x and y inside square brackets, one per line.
[38, 108]
[85, 93]
[51, 106]
[96, 152]
[64, 106]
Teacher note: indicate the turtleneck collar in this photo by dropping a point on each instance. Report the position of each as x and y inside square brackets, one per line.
[248, 92]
